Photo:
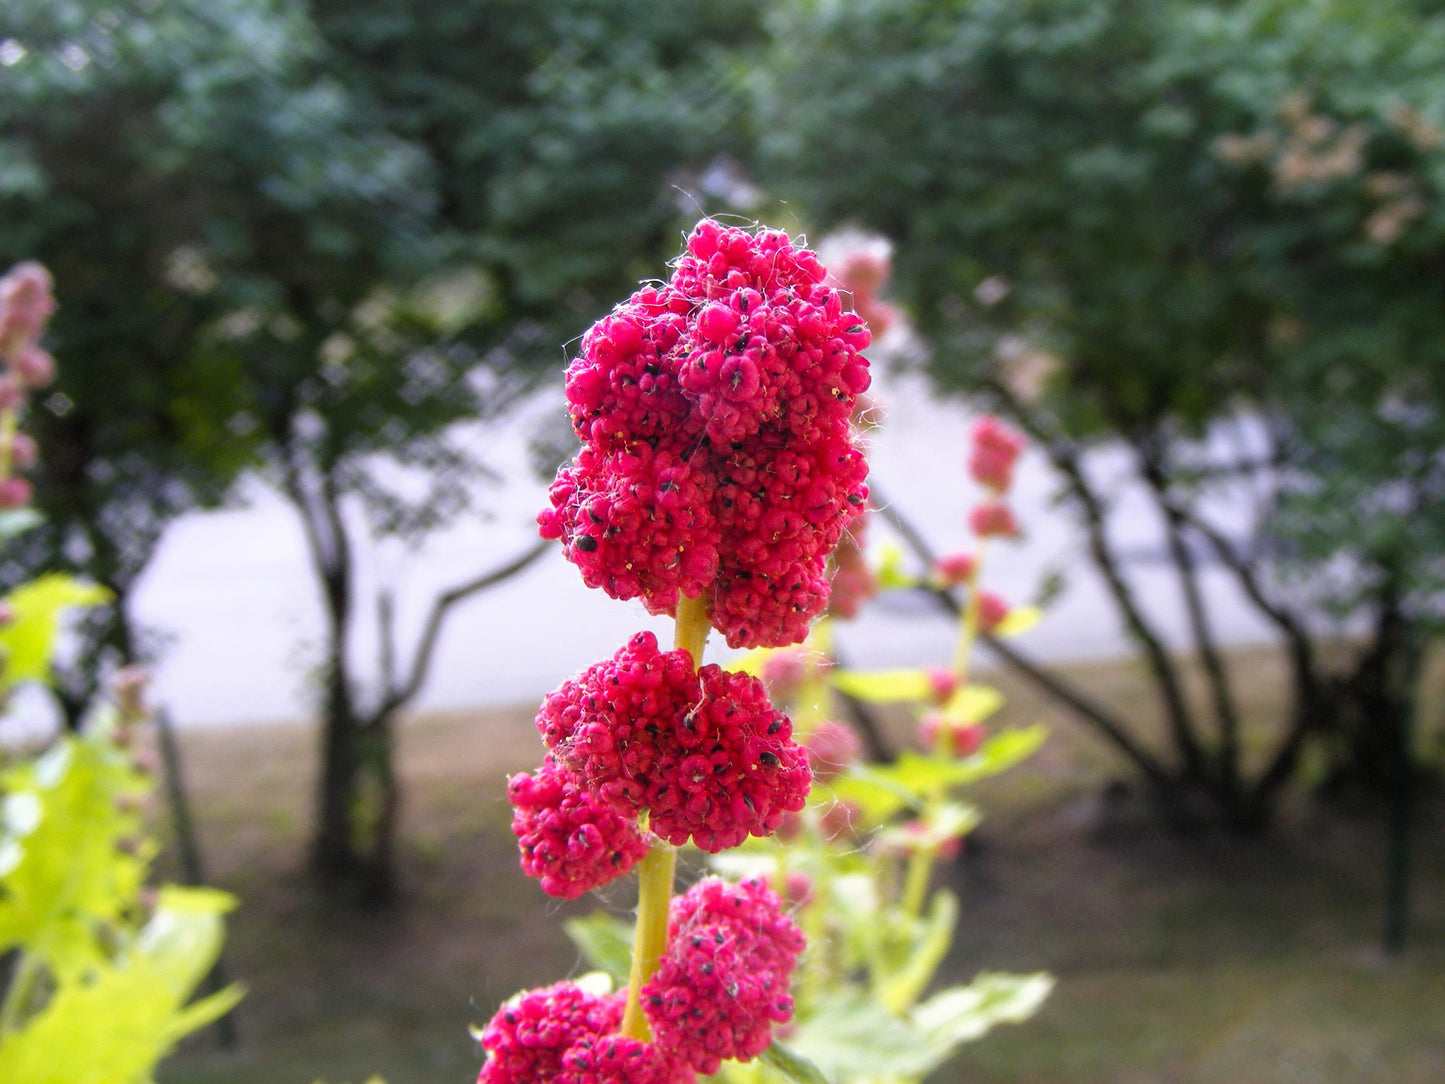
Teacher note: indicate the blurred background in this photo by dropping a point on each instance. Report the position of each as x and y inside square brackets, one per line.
[320, 266]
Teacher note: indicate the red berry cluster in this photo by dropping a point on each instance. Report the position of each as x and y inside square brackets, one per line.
[724, 981]
[994, 448]
[566, 1035]
[993, 451]
[718, 450]
[704, 752]
[571, 840]
[718, 471]
[717, 993]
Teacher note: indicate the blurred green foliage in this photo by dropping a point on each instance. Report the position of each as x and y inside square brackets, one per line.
[1130, 221]
[273, 211]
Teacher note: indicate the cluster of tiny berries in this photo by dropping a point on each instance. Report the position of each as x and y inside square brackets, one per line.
[718, 462]
[703, 751]
[723, 982]
[26, 304]
[993, 451]
[718, 456]
[716, 994]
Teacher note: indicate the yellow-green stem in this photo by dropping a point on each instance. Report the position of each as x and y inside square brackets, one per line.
[9, 422]
[915, 881]
[920, 862]
[692, 627]
[654, 899]
[970, 621]
[656, 871]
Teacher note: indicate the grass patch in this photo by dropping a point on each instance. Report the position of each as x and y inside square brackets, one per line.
[1195, 960]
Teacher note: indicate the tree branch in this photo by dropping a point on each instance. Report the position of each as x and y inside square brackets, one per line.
[1152, 470]
[421, 660]
[1181, 723]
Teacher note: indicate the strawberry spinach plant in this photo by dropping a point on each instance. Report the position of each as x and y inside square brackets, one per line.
[720, 469]
[97, 969]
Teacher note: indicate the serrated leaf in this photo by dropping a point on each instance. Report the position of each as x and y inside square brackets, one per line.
[604, 941]
[791, 1065]
[961, 1014]
[1017, 621]
[883, 686]
[973, 703]
[851, 1035]
[66, 877]
[27, 642]
[112, 1027]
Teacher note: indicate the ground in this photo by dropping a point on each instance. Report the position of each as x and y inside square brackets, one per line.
[1180, 959]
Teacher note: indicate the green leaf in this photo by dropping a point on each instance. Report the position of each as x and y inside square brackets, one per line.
[604, 941]
[880, 795]
[1018, 620]
[973, 703]
[883, 686]
[961, 1014]
[65, 875]
[852, 1036]
[889, 571]
[791, 1065]
[1003, 751]
[111, 1028]
[27, 642]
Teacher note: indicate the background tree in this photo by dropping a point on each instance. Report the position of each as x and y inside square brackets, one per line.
[1151, 226]
[316, 237]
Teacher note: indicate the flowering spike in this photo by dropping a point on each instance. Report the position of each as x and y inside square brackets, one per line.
[718, 453]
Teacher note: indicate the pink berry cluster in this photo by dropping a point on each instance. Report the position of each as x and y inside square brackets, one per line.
[861, 272]
[704, 752]
[571, 840]
[719, 458]
[723, 983]
[717, 992]
[26, 304]
[994, 449]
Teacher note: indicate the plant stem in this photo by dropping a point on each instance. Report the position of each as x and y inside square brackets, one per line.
[692, 627]
[9, 422]
[915, 881]
[654, 899]
[655, 872]
[920, 863]
[969, 622]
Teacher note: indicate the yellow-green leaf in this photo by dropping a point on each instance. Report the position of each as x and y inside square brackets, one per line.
[973, 703]
[883, 686]
[27, 642]
[1018, 620]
